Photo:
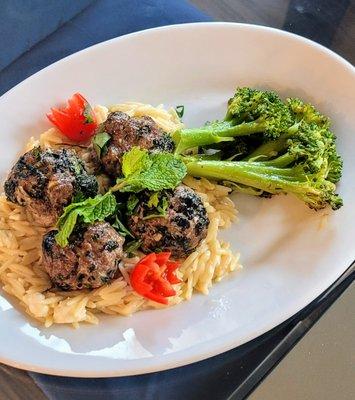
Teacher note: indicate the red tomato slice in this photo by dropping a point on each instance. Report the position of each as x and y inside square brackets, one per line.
[153, 276]
[77, 120]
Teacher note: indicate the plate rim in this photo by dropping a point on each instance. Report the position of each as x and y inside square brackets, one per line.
[180, 358]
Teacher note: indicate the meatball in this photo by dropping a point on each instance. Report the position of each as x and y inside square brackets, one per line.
[180, 231]
[127, 132]
[46, 181]
[90, 260]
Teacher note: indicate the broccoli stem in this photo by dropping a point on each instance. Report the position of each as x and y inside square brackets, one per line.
[186, 139]
[257, 175]
[273, 147]
[281, 162]
[268, 149]
[189, 138]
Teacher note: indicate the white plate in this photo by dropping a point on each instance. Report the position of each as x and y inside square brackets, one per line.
[288, 258]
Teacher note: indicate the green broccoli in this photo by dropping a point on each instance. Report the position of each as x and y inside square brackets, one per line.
[258, 177]
[309, 142]
[307, 112]
[297, 153]
[249, 111]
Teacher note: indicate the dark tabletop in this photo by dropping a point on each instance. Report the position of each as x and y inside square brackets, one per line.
[50, 30]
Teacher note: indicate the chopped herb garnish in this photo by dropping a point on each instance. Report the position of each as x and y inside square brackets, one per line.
[122, 230]
[150, 216]
[153, 200]
[132, 203]
[78, 197]
[36, 151]
[132, 247]
[160, 205]
[88, 114]
[180, 110]
[100, 142]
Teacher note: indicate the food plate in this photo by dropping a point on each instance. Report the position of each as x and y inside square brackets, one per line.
[290, 253]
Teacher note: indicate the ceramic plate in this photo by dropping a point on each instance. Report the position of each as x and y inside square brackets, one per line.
[290, 253]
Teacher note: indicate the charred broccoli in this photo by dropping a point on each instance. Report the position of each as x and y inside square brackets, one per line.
[296, 153]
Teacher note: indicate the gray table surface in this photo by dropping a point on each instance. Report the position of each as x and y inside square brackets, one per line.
[322, 365]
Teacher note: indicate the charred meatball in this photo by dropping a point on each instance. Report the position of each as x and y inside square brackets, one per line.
[46, 181]
[90, 260]
[180, 231]
[127, 132]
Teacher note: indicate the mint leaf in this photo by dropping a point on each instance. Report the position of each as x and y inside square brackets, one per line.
[154, 172]
[90, 210]
[100, 142]
[66, 229]
[135, 161]
[131, 247]
[161, 206]
[166, 172]
[131, 203]
[153, 200]
[122, 230]
[98, 208]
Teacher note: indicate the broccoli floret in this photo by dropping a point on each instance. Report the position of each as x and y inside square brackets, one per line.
[307, 112]
[311, 145]
[335, 165]
[286, 148]
[263, 110]
[250, 111]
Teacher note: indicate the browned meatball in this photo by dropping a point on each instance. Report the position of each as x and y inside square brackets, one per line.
[127, 132]
[180, 231]
[90, 260]
[46, 181]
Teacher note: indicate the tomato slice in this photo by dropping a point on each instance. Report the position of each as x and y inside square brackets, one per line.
[77, 120]
[170, 272]
[153, 277]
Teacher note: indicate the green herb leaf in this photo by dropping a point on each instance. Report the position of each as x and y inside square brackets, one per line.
[131, 203]
[135, 161]
[88, 114]
[98, 208]
[88, 211]
[100, 142]
[122, 230]
[153, 200]
[180, 110]
[36, 151]
[66, 228]
[79, 197]
[154, 172]
[132, 247]
[77, 167]
[161, 207]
